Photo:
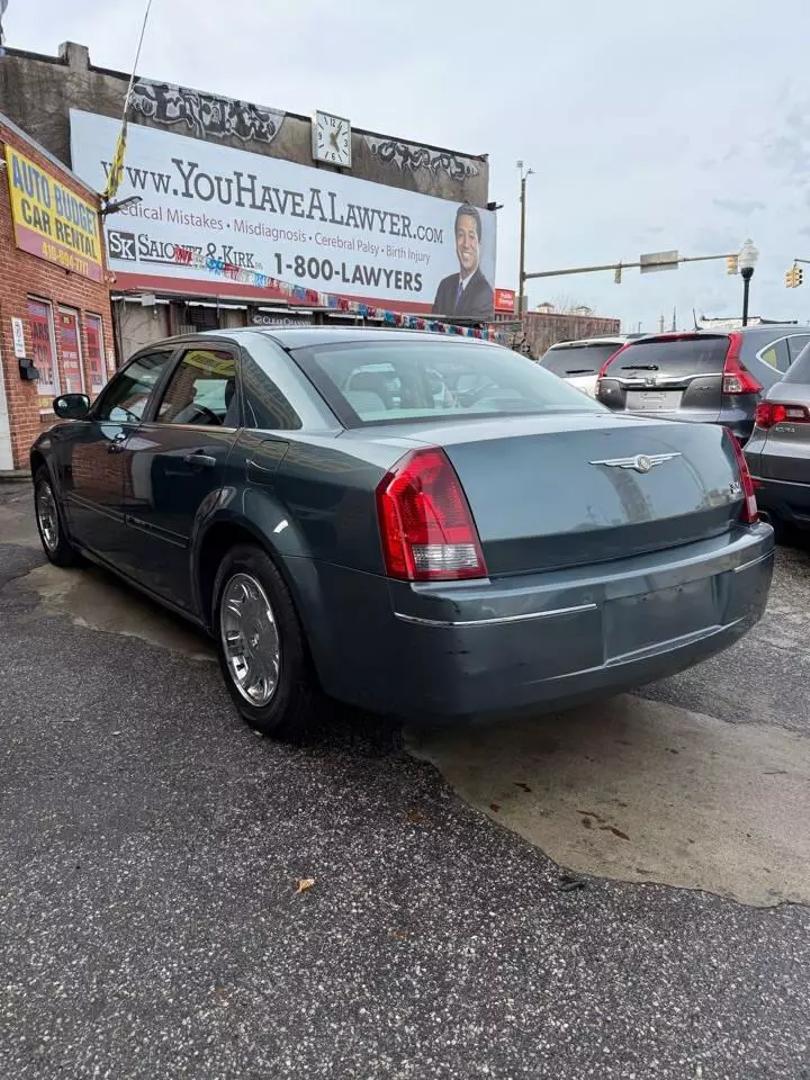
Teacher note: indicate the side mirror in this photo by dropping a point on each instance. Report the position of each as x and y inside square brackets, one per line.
[71, 406]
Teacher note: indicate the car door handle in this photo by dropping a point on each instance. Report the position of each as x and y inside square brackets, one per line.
[117, 444]
[200, 461]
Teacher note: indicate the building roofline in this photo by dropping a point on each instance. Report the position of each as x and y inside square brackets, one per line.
[572, 315]
[60, 165]
[62, 62]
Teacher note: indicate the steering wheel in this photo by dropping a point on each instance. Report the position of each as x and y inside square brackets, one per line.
[214, 419]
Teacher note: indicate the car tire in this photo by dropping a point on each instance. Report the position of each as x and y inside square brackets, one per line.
[51, 523]
[261, 646]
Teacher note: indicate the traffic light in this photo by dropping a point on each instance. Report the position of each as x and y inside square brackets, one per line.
[731, 264]
[794, 277]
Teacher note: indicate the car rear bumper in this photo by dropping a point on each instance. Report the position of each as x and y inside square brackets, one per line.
[739, 423]
[537, 641]
[785, 499]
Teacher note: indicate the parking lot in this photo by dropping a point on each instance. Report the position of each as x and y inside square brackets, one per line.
[620, 891]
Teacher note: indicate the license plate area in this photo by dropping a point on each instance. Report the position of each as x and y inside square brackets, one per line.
[652, 400]
[636, 623]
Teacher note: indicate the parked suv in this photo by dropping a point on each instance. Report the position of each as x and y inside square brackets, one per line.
[716, 377]
[778, 452]
[579, 362]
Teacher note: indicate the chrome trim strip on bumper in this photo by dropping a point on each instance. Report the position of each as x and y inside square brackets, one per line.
[496, 620]
[772, 480]
[753, 562]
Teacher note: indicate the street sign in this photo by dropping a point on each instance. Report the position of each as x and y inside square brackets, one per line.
[18, 336]
[658, 260]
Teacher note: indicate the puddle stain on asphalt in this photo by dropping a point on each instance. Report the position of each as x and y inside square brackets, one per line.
[600, 790]
[97, 601]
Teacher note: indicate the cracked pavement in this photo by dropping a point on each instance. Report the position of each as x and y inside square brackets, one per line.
[150, 846]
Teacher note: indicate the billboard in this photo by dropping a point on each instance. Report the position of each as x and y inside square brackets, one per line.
[50, 221]
[206, 206]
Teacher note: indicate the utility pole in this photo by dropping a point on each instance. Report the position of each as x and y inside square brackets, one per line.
[746, 261]
[524, 173]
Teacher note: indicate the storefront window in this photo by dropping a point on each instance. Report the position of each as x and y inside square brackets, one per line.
[70, 345]
[95, 353]
[43, 347]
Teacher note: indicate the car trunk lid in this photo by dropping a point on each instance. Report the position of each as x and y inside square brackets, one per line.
[558, 491]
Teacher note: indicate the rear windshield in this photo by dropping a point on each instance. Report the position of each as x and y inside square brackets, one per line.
[569, 360]
[678, 356]
[379, 382]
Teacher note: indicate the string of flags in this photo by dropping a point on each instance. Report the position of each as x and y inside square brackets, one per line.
[300, 294]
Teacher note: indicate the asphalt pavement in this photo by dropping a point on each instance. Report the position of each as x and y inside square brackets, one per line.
[151, 849]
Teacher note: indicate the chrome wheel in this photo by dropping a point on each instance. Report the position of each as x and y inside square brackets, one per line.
[47, 516]
[250, 639]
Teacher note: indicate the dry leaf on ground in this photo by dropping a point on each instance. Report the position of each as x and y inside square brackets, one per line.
[304, 883]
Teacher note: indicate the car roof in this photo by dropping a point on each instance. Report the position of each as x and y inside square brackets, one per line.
[612, 339]
[770, 330]
[300, 337]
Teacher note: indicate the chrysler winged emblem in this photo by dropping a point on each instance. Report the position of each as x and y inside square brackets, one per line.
[642, 463]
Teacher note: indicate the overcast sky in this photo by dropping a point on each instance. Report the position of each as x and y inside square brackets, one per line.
[649, 126]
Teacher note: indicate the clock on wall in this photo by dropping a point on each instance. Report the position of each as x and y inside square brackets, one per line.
[332, 139]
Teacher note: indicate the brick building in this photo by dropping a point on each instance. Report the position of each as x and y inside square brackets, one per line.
[542, 329]
[56, 334]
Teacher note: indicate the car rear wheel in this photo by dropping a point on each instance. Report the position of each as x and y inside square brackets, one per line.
[261, 646]
[50, 523]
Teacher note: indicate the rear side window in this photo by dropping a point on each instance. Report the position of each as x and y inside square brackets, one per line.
[799, 370]
[573, 360]
[796, 344]
[385, 381]
[776, 355]
[699, 355]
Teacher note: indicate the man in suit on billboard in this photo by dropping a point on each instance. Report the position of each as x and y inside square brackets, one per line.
[466, 294]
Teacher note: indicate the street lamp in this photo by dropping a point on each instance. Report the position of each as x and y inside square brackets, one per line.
[746, 261]
[524, 172]
[113, 206]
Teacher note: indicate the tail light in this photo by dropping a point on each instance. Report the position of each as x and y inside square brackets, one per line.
[750, 514]
[427, 529]
[610, 359]
[770, 413]
[736, 380]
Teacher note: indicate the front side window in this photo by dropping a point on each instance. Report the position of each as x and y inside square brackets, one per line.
[125, 398]
[381, 381]
[202, 390]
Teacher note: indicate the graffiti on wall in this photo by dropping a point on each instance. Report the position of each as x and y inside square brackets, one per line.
[204, 114]
[410, 157]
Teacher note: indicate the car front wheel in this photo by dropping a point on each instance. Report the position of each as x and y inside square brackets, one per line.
[260, 644]
[50, 523]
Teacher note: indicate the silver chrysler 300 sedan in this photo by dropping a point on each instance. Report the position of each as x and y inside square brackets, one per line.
[427, 526]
